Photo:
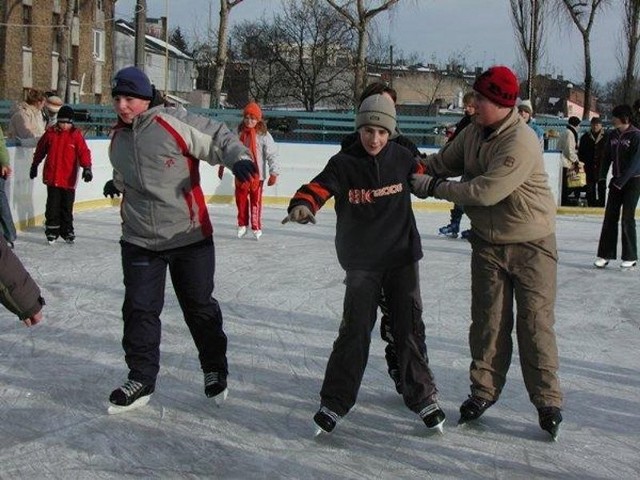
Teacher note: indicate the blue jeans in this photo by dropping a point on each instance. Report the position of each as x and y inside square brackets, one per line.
[6, 219]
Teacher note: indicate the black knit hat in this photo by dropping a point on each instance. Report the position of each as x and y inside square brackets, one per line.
[65, 115]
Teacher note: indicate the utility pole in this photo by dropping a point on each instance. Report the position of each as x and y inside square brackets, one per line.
[141, 20]
[533, 34]
[391, 66]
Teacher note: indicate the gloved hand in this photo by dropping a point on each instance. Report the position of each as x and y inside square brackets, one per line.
[299, 214]
[87, 176]
[272, 180]
[423, 186]
[110, 190]
[244, 170]
[33, 173]
[220, 171]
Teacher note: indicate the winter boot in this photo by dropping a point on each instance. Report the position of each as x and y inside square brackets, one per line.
[326, 420]
[472, 408]
[433, 416]
[549, 419]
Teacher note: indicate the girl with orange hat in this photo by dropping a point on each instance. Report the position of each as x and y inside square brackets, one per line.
[253, 133]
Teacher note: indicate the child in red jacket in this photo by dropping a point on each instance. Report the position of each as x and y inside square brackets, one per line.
[65, 149]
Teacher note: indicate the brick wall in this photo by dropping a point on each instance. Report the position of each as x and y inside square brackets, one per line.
[11, 47]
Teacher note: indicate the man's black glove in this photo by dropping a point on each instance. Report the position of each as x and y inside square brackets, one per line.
[87, 176]
[110, 190]
[423, 185]
[244, 170]
[33, 173]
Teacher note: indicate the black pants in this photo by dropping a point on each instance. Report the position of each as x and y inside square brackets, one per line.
[58, 215]
[596, 192]
[350, 353]
[627, 200]
[192, 269]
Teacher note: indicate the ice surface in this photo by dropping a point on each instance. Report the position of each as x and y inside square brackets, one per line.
[282, 298]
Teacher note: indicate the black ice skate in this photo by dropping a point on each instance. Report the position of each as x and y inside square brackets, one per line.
[130, 396]
[433, 416]
[215, 386]
[472, 408]
[326, 420]
[550, 418]
[450, 230]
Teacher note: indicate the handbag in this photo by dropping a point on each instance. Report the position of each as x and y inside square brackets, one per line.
[576, 176]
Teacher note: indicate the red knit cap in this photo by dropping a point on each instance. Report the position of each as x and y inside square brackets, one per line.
[253, 109]
[499, 84]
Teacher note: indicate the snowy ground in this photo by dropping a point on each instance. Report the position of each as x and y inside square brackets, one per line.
[281, 298]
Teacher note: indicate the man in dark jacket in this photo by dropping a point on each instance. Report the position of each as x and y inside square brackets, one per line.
[591, 151]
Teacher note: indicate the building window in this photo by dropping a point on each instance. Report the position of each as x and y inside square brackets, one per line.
[98, 45]
[55, 35]
[74, 68]
[100, 5]
[27, 21]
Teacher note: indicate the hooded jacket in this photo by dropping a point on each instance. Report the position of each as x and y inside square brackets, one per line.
[375, 228]
[156, 162]
[506, 193]
[65, 150]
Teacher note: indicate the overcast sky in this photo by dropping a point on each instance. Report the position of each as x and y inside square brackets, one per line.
[478, 31]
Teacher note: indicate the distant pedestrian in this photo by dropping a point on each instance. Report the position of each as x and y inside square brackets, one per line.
[623, 156]
[525, 109]
[568, 146]
[27, 123]
[254, 135]
[66, 151]
[592, 149]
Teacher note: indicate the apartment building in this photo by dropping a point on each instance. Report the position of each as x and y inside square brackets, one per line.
[34, 34]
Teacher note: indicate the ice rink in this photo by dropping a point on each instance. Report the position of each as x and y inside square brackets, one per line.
[282, 299]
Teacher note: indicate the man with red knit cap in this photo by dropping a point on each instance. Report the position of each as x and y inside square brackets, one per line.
[514, 258]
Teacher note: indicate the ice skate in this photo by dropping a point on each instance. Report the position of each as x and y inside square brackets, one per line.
[326, 420]
[549, 419]
[242, 231]
[215, 386]
[449, 231]
[257, 234]
[472, 408]
[130, 396]
[433, 417]
[628, 264]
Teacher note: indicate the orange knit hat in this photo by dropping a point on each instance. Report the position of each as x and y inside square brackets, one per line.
[253, 109]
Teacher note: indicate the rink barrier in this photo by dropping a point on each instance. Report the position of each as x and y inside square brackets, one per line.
[299, 163]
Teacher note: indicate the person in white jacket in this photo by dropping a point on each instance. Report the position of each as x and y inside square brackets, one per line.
[254, 135]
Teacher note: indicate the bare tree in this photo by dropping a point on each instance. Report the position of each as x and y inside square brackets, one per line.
[527, 17]
[358, 16]
[64, 40]
[253, 45]
[314, 48]
[631, 37]
[222, 51]
[582, 13]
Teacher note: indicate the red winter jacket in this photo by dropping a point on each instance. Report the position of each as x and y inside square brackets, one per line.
[65, 151]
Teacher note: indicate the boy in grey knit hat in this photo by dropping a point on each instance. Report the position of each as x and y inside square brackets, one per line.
[379, 247]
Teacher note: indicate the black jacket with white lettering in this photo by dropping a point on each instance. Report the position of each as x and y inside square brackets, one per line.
[375, 228]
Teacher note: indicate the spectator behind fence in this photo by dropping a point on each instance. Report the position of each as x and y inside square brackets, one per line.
[27, 123]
